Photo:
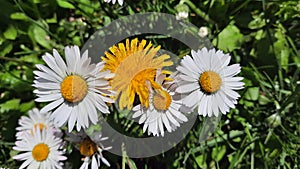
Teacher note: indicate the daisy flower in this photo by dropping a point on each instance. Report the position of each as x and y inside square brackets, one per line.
[163, 110]
[182, 15]
[203, 31]
[41, 150]
[209, 82]
[114, 1]
[133, 64]
[91, 150]
[76, 89]
[35, 119]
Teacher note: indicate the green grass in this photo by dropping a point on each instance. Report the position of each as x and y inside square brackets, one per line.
[263, 36]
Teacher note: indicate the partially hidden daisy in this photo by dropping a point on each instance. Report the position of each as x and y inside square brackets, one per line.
[164, 110]
[133, 64]
[90, 150]
[76, 89]
[182, 15]
[209, 82]
[35, 119]
[41, 150]
[114, 1]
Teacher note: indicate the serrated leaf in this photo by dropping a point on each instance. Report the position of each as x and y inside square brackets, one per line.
[10, 105]
[10, 33]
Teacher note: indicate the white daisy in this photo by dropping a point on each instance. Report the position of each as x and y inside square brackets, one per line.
[182, 15]
[114, 1]
[76, 89]
[209, 82]
[35, 119]
[203, 31]
[164, 109]
[91, 150]
[41, 150]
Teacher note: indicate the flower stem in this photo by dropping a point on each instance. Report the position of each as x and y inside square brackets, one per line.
[17, 61]
[198, 11]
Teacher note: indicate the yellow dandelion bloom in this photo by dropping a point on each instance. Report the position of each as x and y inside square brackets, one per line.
[134, 64]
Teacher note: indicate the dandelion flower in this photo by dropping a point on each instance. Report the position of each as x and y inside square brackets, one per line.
[41, 150]
[133, 64]
[35, 119]
[164, 109]
[91, 150]
[76, 89]
[209, 82]
[114, 1]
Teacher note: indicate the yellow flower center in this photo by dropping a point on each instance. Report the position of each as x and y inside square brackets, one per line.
[87, 147]
[210, 81]
[162, 100]
[40, 152]
[73, 88]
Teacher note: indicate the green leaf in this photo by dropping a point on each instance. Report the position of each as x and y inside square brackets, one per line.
[229, 39]
[10, 105]
[281, 49]
[18, 16]
[252, 93]
[218, 153]
[200, 160]
[257, 22]
[65, 4]
[263, 100]
[6, 48]
[25, 107]
[39, 35]
[10, 33]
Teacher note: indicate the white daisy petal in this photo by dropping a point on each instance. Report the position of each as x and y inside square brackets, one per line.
[187, 88]
[61, 82]
[48, 98]
[216, 82]
[27, 124]
[192, 99]
[163, 113]
[52, 105]
[40, 142]
[91, 155]
[231, 70]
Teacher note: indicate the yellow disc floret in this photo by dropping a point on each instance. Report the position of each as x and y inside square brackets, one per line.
[73, 88]
[210, 81]
[40, 152]
[87, 147]
[162, 100]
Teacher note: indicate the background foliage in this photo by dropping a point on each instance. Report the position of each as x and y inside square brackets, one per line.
[263, 36]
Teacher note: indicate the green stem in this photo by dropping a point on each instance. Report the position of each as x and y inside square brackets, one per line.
[17, 61]
[198, 11]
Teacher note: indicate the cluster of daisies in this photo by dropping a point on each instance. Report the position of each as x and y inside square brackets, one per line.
[132, 75]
